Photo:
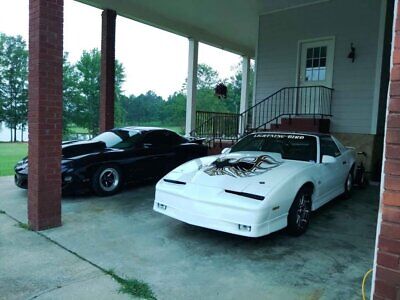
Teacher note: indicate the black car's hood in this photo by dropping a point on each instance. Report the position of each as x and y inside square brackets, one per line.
[72, 149]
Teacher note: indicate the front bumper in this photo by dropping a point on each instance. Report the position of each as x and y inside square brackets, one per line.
[73, 185]
[21, 180]
[191, 204]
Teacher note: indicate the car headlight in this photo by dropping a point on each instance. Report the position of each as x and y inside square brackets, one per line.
[22, 164]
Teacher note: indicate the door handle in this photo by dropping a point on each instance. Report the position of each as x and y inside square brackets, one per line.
[345, 162]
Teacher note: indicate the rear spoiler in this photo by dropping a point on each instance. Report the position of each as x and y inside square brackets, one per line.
[196, 140]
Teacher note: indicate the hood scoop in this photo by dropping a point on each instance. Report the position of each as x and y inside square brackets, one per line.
[81, 148]
[246, 166]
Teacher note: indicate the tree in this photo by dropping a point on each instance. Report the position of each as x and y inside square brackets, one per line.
[13, 83]
[207, 77]
[235, 87]
[71, 93]
[145, 108]
[83, 106]
[175, 110]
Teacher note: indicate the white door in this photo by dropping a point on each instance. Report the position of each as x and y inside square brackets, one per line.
[315, 69]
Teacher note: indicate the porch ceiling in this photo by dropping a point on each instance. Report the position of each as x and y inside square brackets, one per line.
[228, 24]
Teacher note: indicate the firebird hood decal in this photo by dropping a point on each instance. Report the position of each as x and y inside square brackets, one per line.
[241, 167]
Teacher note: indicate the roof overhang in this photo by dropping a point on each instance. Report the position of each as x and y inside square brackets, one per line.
[231, 25]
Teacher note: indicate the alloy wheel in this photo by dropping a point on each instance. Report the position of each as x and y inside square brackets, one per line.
[303, 211]
[109, 179]
[349, 182]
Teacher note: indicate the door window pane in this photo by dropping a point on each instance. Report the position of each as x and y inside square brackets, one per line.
[308, 74]
[322, 74]
[316, 64]
[309, 52]
[315, 74]
[323, 51]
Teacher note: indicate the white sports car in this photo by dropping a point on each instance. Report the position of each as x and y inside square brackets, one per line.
[267, 181]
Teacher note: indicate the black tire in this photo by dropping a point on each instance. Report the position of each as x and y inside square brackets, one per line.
[348, 185]
[107, 180]
[300, 213]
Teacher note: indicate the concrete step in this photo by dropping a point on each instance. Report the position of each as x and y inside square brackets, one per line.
[302, 124]
[306, 124]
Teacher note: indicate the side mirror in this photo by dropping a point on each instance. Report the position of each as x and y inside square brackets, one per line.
[327, 159]
[226, 150]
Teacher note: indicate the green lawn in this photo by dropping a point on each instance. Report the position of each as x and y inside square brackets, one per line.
[10, 154]
[77, 129]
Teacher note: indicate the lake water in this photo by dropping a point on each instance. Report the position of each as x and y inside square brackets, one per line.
[5, 133]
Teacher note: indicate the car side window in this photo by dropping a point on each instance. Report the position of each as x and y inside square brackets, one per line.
[155, 138]
[172, 139]
[162, 138]
[328, 147]
[129, 139]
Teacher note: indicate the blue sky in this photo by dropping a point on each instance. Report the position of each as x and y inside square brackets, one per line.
[153, 59]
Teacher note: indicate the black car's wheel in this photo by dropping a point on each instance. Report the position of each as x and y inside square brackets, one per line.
[300, 213]
[348, 185]
[107, 180]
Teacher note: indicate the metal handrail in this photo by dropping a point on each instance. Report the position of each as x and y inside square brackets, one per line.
[206, 119]
[288, 101]
[278, 91]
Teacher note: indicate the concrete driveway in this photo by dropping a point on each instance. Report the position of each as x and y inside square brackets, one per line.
[180, 261]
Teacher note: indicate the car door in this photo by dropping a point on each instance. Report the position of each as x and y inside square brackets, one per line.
[128, 154]
[330, 173]
[160, 153]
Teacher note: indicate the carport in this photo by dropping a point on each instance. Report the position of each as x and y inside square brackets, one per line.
[231, 25]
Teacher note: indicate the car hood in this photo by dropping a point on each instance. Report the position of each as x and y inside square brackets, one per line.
[238, 171]
[73, 149]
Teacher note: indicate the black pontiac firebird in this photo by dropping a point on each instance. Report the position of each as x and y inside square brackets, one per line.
[119, 156]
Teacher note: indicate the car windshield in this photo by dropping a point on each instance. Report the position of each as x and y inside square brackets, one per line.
[119, 138]
[290, 146]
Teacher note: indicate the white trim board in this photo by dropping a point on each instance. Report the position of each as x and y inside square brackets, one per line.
[292, 7]
[378, 70]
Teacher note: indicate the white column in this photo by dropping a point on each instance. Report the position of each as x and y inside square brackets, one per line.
[191, 86]
[244, 96]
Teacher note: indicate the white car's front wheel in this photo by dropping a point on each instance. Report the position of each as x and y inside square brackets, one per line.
[300, 213]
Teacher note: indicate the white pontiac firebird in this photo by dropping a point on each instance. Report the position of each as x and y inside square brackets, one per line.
[265, 182]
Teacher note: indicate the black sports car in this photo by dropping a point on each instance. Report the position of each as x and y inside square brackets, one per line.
[118, 156]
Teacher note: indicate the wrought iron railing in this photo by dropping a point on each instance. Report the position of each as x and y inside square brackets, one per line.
[215, 125]
[312, 101]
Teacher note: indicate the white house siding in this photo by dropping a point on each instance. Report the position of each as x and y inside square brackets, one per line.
[349, 21]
